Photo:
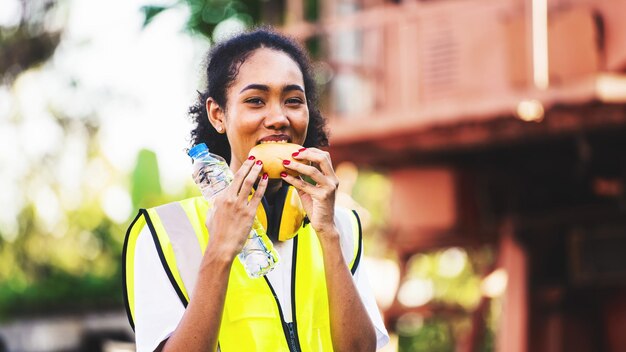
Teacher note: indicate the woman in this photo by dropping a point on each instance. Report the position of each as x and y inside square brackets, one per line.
[260, 89]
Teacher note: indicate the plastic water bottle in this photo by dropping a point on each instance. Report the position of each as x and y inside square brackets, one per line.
[212, 175]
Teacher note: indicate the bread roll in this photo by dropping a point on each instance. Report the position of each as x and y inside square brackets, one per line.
[273, 154]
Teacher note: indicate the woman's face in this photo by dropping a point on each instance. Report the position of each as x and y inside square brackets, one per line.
[265, 103]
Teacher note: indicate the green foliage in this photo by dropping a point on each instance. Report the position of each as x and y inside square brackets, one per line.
[151, 11]
[145, 180]
[489, 342]
[64, 252]
[205, 15]
[462, 288]
[311, 10]
[314, 47]
[43, 273]
[58, 291]
[31, 42]
[455, 275]
[76, 264]
[372, 191]
[434, 336]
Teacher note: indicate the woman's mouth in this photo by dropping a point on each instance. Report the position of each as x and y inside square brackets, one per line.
[274, 139]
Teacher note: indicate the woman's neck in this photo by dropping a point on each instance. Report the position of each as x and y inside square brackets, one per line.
[272, 187]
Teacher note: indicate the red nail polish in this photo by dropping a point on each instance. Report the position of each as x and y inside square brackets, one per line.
[301, 149]
[251, 157]
[259, 162]
[265, 176]
[283, 174]
[286, 162]
[295, 154]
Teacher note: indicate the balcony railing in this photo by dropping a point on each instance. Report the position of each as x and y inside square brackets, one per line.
[396, 68]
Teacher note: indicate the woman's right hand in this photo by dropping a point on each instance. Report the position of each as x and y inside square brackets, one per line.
[230, 219]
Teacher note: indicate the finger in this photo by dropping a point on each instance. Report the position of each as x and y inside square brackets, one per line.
[307, 170]
[248, 182]
[300, 184]
[240, 175]
[318, 157]
[259, 192]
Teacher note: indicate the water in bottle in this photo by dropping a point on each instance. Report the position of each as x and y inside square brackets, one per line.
[212, 175]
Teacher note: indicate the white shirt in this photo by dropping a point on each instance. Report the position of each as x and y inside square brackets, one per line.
[158, 310]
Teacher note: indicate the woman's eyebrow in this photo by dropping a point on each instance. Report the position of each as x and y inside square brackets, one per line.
[255, 86]
[265, 88]
[291, 87]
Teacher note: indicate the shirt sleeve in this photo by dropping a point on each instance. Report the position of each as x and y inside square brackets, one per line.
[158, 310]
[361, 281]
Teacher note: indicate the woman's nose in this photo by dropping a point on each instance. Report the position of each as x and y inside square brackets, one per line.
[276, 119]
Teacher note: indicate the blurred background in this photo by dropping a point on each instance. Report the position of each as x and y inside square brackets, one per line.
[483, 143]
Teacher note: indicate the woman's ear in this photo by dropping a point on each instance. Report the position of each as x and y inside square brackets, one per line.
[216, 115]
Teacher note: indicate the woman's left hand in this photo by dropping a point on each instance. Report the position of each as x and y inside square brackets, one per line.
[318, 200]
[350, 324]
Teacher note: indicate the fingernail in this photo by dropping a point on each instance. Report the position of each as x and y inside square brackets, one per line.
[295, 154]
[265, 176]
[251, 157]
[301, 149]
[286, 162]
[259, 162]
[283, 174]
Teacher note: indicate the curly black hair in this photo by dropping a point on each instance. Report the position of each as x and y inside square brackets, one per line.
[223, 63]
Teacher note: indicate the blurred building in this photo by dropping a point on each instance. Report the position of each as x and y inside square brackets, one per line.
[498, 121]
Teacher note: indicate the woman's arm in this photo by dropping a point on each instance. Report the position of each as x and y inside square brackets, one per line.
[198, 329]
[228, 223]
[351, 327]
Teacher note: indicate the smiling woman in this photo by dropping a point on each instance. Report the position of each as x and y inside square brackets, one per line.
[185, 291]
[265, 102]
[221, 75]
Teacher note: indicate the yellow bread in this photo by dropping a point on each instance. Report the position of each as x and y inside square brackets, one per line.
[273, 154]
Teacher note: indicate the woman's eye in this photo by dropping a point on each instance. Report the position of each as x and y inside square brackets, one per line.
[294, 101]
[254, 101]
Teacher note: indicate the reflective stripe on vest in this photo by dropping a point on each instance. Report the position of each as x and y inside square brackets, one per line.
[186, 248]
[252, 319]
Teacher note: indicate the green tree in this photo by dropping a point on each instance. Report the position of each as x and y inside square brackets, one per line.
[32, 41]
[205, 15]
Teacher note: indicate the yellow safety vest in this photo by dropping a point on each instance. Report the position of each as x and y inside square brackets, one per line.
[253, 318]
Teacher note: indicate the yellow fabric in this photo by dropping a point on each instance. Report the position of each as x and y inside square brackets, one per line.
[129, 264]
[312, 310]
[261, 214]
[252, 316]
[356, 239]
[293, 215]
[251, 319]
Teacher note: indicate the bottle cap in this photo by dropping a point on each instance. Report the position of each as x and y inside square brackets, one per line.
[197, 150]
